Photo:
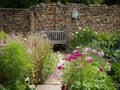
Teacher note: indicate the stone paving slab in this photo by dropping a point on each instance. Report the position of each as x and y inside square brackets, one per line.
[48, 87]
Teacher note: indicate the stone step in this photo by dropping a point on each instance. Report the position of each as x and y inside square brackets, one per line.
[48, 87]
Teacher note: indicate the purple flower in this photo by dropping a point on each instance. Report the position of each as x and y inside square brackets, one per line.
[94, 51]
[101, 53]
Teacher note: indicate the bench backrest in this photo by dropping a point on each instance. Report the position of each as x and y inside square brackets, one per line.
[56, 36]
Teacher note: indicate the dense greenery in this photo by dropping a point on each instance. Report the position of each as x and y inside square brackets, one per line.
[107, 42]
[28, 3]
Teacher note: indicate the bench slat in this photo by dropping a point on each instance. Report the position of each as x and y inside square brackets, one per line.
[56, 36]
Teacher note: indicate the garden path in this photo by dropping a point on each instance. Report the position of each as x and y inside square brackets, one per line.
[52, 84]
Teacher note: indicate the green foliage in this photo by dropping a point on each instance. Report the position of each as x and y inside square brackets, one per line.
[48, 66]
[87, 72]
[115, 72]
[15, 61]
[2, 35]
[28, 3]
[82, 38]
[93, 84]
[15, 85]
[108, 42]
[2, 87]
[43, 57]
[112, 2]
[87, 1]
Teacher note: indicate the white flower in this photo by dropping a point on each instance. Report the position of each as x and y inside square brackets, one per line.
[80, 28]
[72, 34]
[76, 32]
[27, 79]
[84, 29]
[95, 32]
[32, 87]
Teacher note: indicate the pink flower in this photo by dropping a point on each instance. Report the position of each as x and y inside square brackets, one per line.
[74, 58]
[60, 67]
[45, 35]
[29, 51]
[101, 53]
[54, 76]
[78, 55]
[101, 70]
[30, 45]
[94, 51]
[89, 59]
[85, 51]
[69, 57]
[25, 40]
[14, 36]
[2, 44]
[75, 51]
[4, 41]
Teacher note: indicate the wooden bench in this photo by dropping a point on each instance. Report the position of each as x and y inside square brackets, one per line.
[56, 36]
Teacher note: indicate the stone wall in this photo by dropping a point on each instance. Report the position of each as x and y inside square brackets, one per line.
[98, 17]
[14, 20]
[58, 16]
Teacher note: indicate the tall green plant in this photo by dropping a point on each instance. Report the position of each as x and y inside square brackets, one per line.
[15, 62]
[43, 57]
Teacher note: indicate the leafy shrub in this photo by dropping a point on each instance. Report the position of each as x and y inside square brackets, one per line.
[82, 38]
[15, 61]
[106, 41]
[2, 87]
[115, 72]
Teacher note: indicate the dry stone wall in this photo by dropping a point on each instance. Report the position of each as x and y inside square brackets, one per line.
[55, 16]
[14, 20]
